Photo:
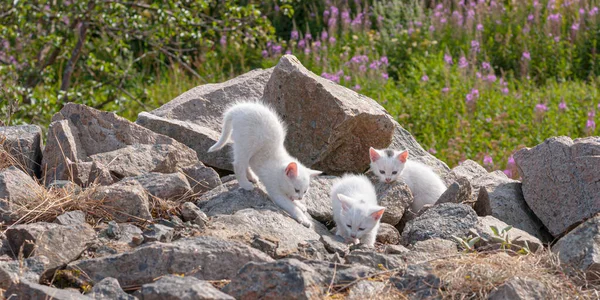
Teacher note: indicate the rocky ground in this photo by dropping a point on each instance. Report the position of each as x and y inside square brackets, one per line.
[110, 209]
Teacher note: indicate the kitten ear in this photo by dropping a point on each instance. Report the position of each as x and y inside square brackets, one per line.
[403, 156]
[378, 213]
[314, 173]
[292, 170]
[346, 201]
[374, 154]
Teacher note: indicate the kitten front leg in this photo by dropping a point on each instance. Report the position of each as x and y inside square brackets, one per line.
[369, 238]
[301, 206]
[292, 209]
[251, 176]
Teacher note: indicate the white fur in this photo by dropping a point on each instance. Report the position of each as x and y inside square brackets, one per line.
[425, 185]
[258, 135]
[354, 203]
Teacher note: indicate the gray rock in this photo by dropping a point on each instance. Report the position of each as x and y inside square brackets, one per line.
[25, 289]
[560, 181]
[330, 127]
[201, 178]
[441, 221]
[30, 269]
[71, 218]
[67, 185]
[335, 244]
[194, 117]
[504, 196]
[283, 279]
[435, 245]
[458, 192]
[366, 290]
[125, 201]
[157, 232]
[580, 248]
[395, 249]
[100, 175]
[173, 186]
[113, 230]
[396, 197]
[205, 258]
[81, 135]
[388, 234]
[61, 244]
[16, 189]
[318, 199]
[516, 236]
[172, 287]
[192, 213]
[520, 289]
[24, 144]
[419, 281]
[229, 198]
[375, 260]
[339, 274]
[109, 289]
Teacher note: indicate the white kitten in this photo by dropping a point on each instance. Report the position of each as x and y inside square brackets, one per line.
[425, 185]
[355, 210]
[258, 135]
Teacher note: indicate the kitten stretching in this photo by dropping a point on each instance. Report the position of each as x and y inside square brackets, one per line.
[355, 210]
[258, 135]
[425, 185]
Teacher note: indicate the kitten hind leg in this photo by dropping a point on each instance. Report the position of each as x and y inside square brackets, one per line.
[251, 176]
[240, 169]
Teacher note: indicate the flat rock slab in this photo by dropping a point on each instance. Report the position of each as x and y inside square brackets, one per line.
[109, 289]
[330, 127]
[441, 221]
[24, 143]
[201, 178]
[11, 272]
[173, 186]
[229, 198]
[174, 287]
[126, 201]
[29, 290]
[80, 134]
[205, 258]
[580, 248]
[16, 189]
[517, 236]
[520, 289]
[561, 180]
[194, 117]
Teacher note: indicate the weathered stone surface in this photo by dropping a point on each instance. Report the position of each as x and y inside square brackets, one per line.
[171, 186]
[205, 258]
[157, 232]
[29, 290]
[330, 127]
[190, 212]
[71, 218]
[174, 287]
[229, 198]
[201, 178]
[335, 244]
[339, 274]
[515, 235]
[59, 243]
[504, 196]
[82, 134]
[283, 279]
[366, 290]
[16, 187]
[109, 289]
[395, 249]
[30, 269]
[318, 199]
[458, 192]
[435, 245]
[24, 143]
[560, 180]
[520, 289]
[375, 260]
[418, 281]
[194, 117]
[580, 248]
[125, 200]
[440, 221]
[388, 234]
[396, 197]
[100, 174]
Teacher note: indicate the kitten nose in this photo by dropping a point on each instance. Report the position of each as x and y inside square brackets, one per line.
[353, 236]
[388, 180]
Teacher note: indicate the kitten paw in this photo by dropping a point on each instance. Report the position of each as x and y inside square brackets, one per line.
[301, 206]
[306, 223]
[247, 186]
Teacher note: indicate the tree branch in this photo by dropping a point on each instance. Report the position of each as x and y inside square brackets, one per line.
[70, 67]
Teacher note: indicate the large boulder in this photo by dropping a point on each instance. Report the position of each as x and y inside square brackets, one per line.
[330, 127]
[16, 189]
[318, 199]
[61, 244]
[24, 144]
[80, 135]
[441, 221]
[500, 196]
[205, 258]
[194, 118]
[560, 180]
[580, 248]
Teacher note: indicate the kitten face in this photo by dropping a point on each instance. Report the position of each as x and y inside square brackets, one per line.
[296, 180]
[356, 217]
[387, 164]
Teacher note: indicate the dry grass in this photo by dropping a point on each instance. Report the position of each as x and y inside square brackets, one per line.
[6, 158]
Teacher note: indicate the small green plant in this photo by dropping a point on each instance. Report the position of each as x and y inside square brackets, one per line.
[501, 237]
[468, 243]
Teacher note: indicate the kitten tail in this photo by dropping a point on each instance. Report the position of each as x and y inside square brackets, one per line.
[225, 134]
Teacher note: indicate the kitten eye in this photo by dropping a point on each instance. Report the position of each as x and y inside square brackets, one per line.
[395, 172]
[297, 190]
[348, 225]
[361, 229]
[382, 172]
